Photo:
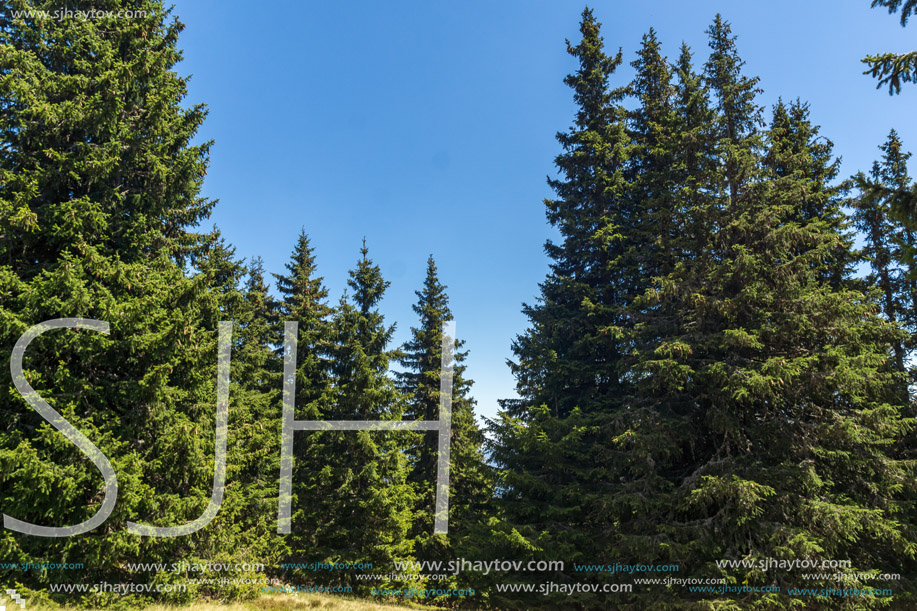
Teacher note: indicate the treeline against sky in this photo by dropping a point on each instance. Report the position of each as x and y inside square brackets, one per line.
[712, 371]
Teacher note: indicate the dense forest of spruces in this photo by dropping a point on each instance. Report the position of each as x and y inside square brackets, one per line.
[714, 380]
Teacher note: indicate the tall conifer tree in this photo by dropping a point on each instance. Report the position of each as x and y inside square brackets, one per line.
[303, 299]
[362, 502]
[101, 193]
[248, 512]
[549, 443]
[655, 152]
[471, 479]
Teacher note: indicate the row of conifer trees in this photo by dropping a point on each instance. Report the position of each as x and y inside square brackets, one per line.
[707, 375]
[100, 182]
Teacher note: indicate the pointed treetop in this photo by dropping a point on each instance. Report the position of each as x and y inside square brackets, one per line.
[590, 82]
[255, 280]
[652, 83]
[895, 161]
[301, 290]
[432, 301]
[724, 73]
[367, 282]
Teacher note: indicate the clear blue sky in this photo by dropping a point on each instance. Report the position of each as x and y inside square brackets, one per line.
[428, 127]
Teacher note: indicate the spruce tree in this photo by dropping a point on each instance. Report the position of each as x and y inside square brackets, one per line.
[655, 150]
[471, 479]
[101, 194]
[554, 489]
[895, 69]
[889, 244]
[303, 299]
[694, 170]
[259, 334]
[755, 413]
[361, 500]
[256, 418]
[249, 509]
[769, 371]
[739, 114]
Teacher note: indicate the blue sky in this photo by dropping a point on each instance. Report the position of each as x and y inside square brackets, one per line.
[428, 127]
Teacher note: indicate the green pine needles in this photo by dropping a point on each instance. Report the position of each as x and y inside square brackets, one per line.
[707, 380]
[703, 380]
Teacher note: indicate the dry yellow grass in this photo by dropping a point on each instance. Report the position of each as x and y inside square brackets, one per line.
[279, 602]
